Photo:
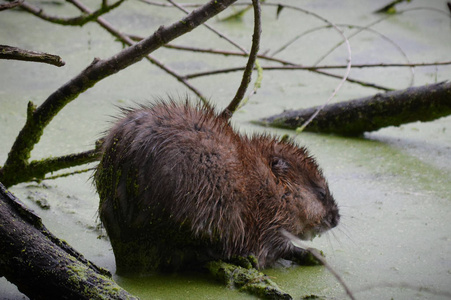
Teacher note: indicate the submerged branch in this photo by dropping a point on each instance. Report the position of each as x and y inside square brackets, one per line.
[8, 52]
[355, 117]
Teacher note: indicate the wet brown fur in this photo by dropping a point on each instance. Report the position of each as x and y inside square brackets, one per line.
[235, 192]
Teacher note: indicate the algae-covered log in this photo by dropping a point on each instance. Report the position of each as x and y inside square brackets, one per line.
[41, 265]
[425, 103]
[248, 280]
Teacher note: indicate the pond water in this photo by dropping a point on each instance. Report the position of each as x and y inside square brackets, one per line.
[393, 186]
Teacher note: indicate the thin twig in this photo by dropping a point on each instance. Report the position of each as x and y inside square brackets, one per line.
[77, 21]
[265, 57]
[361, 28]
[298, 243]
[294, 67]
[5, 6]
[283, 47]
[66, 174]
[8, 52]
[312, 68]
[220, 34]
[168, 5]
[368, 28]
[228, 112]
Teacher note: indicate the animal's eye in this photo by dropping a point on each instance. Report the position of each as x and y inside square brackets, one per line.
[322, 193]
[279, 166]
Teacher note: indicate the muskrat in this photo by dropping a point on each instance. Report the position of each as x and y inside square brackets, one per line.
[178, 185]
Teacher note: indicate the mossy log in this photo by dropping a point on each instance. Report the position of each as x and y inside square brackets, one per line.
[353, 118]
[247, 279]
[41, 265]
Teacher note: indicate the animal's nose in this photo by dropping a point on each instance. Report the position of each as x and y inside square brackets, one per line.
[334, 218]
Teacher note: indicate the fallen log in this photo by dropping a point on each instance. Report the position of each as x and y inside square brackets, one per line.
[353, 118]
[43, 266]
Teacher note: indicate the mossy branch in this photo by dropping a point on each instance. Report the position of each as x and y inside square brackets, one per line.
[424, 103]
[248, 280]
[43, 266]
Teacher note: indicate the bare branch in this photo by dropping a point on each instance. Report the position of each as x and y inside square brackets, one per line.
[228, 112]
[169, 5]
[5, 6]
[265, 57]
[8, 52]
[220, 34]
[77, 21]
[292, 67]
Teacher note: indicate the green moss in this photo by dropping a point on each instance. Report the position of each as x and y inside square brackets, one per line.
[92, 285]
[248, 280]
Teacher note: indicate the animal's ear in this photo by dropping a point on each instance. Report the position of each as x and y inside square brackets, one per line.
[279, 166]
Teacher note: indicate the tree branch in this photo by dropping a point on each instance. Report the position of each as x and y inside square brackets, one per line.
[77, 21]
[41, 167]
[220, 34]
[228, 112]
[39, 118]
[8, 52]
[5, 6]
